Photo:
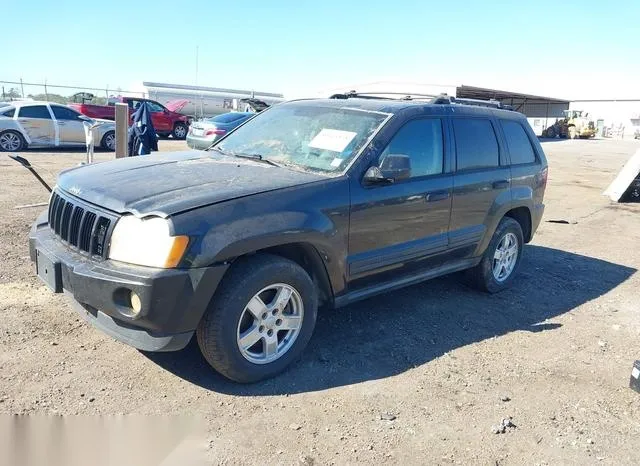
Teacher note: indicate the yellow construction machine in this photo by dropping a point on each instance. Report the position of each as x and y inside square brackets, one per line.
[575, 124]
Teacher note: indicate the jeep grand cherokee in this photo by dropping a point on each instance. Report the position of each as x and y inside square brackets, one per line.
[312, 202]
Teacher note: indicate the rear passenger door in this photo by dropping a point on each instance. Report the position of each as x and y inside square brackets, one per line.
[38, 124]
[481, 184]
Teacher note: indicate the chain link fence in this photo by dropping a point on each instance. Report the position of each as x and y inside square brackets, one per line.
[20, 90]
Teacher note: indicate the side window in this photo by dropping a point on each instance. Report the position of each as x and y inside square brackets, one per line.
[64, 113]
[35, 111]
[9, 112]
[421, 140]
[476, 143]
[154, 106]
[518, 142]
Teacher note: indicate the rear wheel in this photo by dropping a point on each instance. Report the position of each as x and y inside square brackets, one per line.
[260, 319]
[499, 264]
[180, 131]
[12, 141]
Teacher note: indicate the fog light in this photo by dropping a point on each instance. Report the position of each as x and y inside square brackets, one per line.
[136, 303]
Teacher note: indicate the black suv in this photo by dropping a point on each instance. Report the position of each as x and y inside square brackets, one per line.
[310, 203]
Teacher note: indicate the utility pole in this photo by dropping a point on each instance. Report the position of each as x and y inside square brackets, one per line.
[197, 50]
[22, 88]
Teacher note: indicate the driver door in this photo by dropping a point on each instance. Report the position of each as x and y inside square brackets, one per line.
[403, 225]
[70, 124]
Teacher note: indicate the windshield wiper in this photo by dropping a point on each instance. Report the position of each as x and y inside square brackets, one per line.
[256, 157]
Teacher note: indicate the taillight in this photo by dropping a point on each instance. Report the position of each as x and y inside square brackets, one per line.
[211, 132]
[544, 175]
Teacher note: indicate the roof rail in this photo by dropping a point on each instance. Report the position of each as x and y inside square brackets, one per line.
[378, 94]
[444, 99]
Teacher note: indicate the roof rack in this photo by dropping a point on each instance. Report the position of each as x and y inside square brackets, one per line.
[442, 99]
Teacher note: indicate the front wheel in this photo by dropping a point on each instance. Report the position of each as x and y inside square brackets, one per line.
[108, 141]
[180, 131]
[499, 264]
[551, 132]
[260, 319]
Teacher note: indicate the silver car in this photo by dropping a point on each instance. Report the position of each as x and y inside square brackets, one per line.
[45, 124]
[202, 134]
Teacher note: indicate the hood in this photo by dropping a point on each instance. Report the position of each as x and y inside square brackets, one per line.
[166, 184]
[176, 105]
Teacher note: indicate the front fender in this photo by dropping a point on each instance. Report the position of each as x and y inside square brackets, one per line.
[315, 214]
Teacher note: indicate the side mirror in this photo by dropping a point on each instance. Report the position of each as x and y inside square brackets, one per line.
[394, 167]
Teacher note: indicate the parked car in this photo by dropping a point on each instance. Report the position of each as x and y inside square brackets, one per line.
[166, 122]
[310, 203]
[203, 133]
[44, 124]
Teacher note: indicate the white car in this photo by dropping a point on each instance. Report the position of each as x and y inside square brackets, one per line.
[46, 124]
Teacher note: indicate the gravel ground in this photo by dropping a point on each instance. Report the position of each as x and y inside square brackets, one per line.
[422, 375]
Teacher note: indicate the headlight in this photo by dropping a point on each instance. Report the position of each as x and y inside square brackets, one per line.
[146, 242]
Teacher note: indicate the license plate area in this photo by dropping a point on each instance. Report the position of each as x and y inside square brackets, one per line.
[49, 271]
[197, 131]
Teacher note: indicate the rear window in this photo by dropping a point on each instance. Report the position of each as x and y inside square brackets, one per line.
[476, 144]
[35, 111]
[227, 117]
[8, 112]
[518, 142]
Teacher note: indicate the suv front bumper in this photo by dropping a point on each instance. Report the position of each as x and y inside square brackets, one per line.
[172, 300]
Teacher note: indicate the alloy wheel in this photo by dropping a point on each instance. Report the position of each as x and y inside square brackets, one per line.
[505, 257]
[270, 323]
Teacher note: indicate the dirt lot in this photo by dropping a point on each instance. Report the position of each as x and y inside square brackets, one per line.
[416, 376]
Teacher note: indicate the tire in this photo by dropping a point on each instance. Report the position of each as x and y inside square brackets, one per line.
[572, 132]
[482, 276]
[12, 141]
[180, 131]
[551, 132]
[228, 317]
[108, 141]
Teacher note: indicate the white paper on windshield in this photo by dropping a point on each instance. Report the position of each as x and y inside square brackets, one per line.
[336, 162]
[332, 139]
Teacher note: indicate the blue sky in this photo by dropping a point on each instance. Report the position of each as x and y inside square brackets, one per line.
[573, 49]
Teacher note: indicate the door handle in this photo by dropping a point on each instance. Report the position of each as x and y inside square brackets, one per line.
[61, 123]
[436, 196]
[501, 184]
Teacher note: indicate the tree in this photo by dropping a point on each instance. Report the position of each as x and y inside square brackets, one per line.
[57, 98]
[12, 93]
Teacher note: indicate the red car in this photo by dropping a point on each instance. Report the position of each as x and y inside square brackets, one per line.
[165, 121]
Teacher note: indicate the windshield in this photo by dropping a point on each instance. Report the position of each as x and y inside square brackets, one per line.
[305, 134]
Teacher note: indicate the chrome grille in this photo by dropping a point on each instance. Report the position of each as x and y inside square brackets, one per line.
[81, 226]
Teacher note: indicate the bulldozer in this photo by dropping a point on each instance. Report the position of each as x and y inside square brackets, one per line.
[575, 124]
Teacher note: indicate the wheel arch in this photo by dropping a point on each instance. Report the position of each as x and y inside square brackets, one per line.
[522, 215]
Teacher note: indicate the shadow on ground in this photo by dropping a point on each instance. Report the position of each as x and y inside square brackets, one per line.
[392, 333]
